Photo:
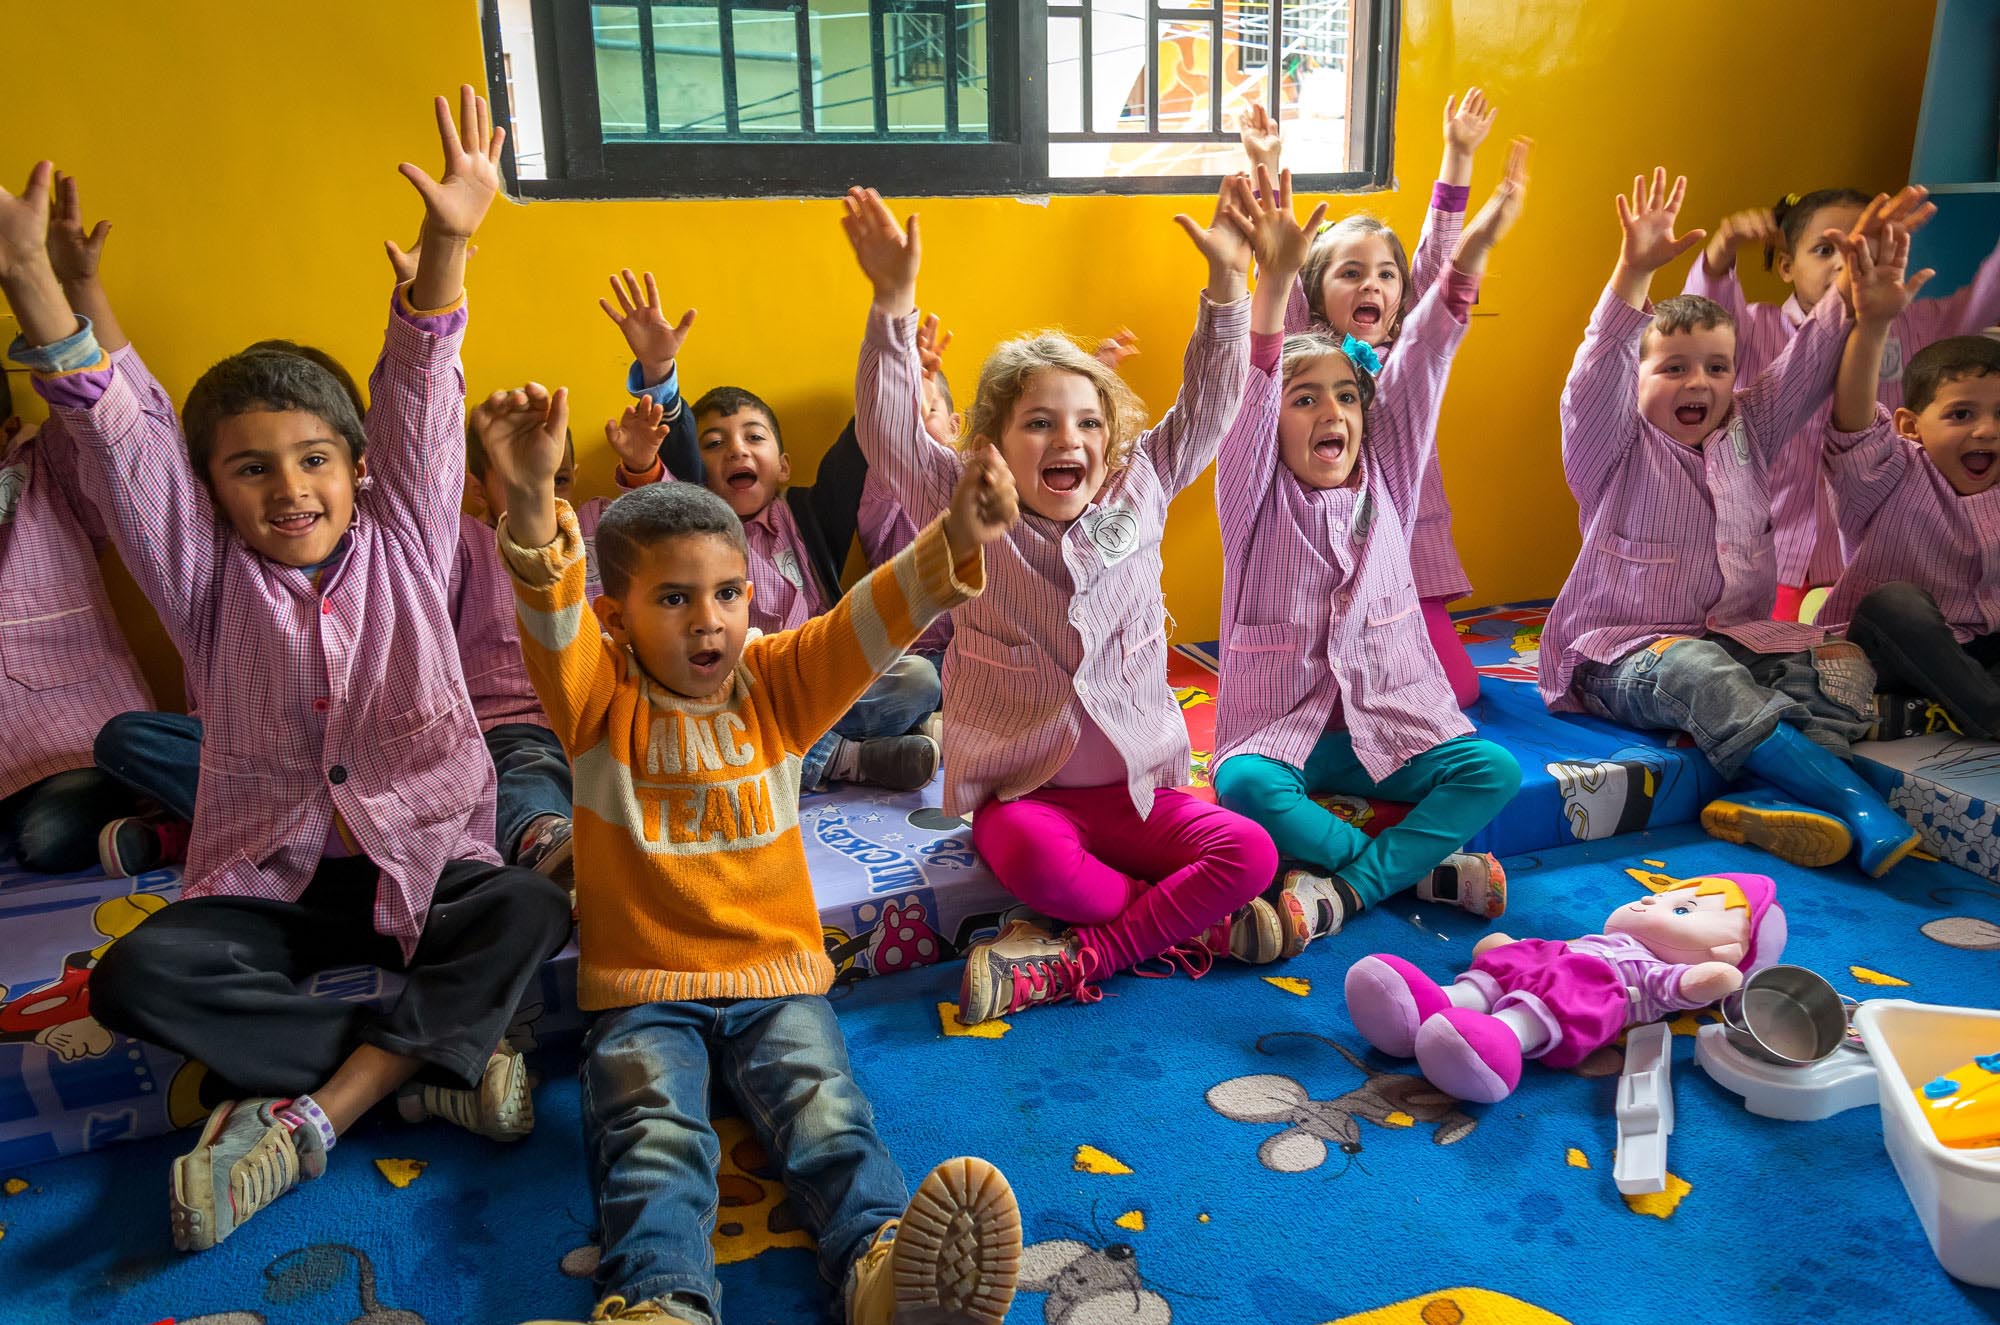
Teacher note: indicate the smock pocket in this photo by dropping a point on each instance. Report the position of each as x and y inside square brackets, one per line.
[1397, 647]
[56, 646]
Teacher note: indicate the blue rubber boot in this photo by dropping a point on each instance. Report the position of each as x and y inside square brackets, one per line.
[1789, 761]
[1788, 830]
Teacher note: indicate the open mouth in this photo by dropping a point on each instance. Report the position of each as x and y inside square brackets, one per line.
[741, 480]
[1690, 416]
[1978, 463]
[297, 524]
[1367, 316]
[1329, 449]
[1062, 477]
[706, 660]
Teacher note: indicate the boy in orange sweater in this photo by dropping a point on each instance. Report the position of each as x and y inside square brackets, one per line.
[699, 938]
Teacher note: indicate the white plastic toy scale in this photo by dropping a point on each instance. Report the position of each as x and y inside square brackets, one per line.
[1645, 1111]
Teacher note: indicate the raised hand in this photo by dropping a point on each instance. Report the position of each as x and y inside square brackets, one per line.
[655, 342]
[1647, 218]
[73, 251]
[1116, 348]
[24, 224]
[1261, 142]
[931, 344]
[984, 505]
[1224, 242]
[1754, 225]
[1492, 222]
[403, 261]
[1873, 273]
[1277, 238]
[890, 256]
[1466, 124]
[635, 435]
[456, 204]
[524, 433]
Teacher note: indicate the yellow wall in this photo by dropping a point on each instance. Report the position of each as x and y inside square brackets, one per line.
[247, 153]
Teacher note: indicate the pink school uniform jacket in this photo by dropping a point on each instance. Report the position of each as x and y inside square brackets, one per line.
[1676, 541]
[1433, 554]
[1073, 620]
[346, 697]
[885, 529]
[1904, 521]
[1809, 542]
[1318, 605]
[65, 670]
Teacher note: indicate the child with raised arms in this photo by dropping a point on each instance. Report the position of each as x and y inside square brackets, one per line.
[1328, 683]
[345, 813]
[699, 940]
[1061, 736]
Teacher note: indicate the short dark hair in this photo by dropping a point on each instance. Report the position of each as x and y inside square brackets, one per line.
[1306, 347]
[260, 380]
[728, 400]
[649, 515]
[943, 386]
[1795, 212]
[1685, 312]
[1947, 361]
[475, 450]
[323, 359]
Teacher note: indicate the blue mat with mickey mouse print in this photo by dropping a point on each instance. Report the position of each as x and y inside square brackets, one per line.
[1209, 1152]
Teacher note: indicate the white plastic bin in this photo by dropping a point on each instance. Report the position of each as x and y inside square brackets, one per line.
[1956, 1192]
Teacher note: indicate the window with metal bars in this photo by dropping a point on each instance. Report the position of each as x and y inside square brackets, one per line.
[667, 98]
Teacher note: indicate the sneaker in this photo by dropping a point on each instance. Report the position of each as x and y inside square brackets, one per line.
[1024, 966]
[129, 847]
[1309, 906]
[618, 1309]
[500, 1107]
[1469, 880]
[248, 1156]
[545, 849]
[1900, 715]
[900, 763]
[1251, 933]
[953, 1257]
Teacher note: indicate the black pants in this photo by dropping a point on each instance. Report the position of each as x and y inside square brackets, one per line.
[51, 826]
[1913, 649]
[216, 978]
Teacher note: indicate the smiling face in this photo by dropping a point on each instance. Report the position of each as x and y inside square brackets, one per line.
[285, 480]
[741, 461]
[1054, 442]
[1686, 381]
[1361, 291]
[684, 613]
[1320, 421]
[1960, 430]
[1685, 926]
[1814, 264]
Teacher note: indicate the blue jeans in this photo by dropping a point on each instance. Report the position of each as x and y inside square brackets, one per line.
[1458, 788]
[51, 826]
[900, 699]
[155, 754]
[1730, 698]
[653, 1154]
[534, 780]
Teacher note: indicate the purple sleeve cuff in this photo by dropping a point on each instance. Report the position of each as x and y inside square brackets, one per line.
[75, 390]
[1266, 349]
[1450, 197]
[1458, 291]
[438, 323]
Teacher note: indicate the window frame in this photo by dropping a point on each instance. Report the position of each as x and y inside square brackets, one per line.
[581, 165]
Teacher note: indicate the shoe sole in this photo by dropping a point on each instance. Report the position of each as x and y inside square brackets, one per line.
[958, 1250]
[108, 858]
[513, 1102]
[1896, 857]
[556, 865]
[1812, 840]
[1295, 931]
[192, 1212]
[1266, 937]
[1495, 904]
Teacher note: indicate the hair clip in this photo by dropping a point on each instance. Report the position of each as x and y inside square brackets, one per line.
[1791, 200]
[1363, 354]
[1327, 225]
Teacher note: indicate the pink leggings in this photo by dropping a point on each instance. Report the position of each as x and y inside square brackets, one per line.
[1458, 668]
[1132, 887]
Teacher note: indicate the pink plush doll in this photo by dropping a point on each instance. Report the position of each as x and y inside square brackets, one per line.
[1562, 1001]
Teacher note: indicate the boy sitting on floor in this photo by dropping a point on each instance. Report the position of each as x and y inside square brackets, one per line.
[698, 934]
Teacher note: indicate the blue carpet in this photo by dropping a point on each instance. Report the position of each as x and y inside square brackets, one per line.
[1399, 1210]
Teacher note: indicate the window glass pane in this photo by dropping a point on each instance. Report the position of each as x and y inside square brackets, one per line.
[1118, 66]
[621, 82]
[687, 65]
[767, 71]
[524, 89]
[1065, 75]
[1181, 58]
[1314, 84]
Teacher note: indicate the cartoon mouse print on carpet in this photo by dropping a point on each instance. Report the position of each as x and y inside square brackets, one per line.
[308, 1272]
[1386, 1099]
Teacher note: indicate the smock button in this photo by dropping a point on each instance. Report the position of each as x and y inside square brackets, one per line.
[319, 706]
[337, 774]
[326, 607]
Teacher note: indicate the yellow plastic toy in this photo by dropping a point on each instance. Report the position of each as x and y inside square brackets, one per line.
[1963, 1105]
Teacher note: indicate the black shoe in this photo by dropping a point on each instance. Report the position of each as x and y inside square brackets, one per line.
[1898, 716]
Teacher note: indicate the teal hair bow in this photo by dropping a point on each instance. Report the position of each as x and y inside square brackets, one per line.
[1363, 354]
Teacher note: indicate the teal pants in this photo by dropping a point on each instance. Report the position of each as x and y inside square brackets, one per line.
[1457, 789]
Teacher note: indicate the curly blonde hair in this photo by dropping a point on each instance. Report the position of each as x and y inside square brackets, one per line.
[1004, 378]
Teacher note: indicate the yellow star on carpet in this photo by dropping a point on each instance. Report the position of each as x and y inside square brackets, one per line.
[1135, 1220]
[1291, 984]
[1576, 1159]
[985, 1030]
[1201, 1218]
[1661, 1204]
[401, 1172]
[1868, 977]
[1089, 1159]
[14, 1186]
[1398, 1119]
